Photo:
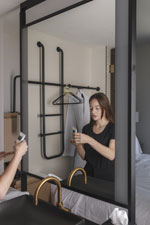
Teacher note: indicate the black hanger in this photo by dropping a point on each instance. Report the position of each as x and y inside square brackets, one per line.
[67, 92]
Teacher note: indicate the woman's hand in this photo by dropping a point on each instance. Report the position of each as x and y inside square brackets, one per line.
[79, 138]
[20, 149]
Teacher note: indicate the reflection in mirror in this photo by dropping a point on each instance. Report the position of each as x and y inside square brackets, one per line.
[143, 111]
[86, 37]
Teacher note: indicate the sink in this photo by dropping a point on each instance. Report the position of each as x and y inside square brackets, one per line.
[94, 186]
[22, 211]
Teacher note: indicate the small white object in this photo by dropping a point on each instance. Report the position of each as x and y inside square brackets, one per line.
[119, 217]
[53, 175]
[74, 130]
[21, 137]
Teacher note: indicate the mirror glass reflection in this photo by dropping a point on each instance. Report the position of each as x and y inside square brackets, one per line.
[86, 35]
[142, 110]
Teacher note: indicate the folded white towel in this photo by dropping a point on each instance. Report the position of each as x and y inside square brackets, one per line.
[53, 175]
[119, 217]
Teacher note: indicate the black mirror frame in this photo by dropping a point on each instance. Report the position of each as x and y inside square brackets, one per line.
[131, 98]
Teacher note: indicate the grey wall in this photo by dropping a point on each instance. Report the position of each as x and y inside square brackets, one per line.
[121, 103]
[143, 95]
[1, 94]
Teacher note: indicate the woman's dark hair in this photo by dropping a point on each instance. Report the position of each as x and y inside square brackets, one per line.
[105, 106]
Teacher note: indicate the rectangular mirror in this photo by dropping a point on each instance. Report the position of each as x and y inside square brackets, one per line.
[86, 36]
[75, 49]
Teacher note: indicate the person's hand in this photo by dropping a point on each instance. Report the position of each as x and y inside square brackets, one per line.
[75, 144]
[20, 148]
[79, 138]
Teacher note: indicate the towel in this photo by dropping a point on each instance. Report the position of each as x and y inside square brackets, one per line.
[77, 116]
[119, 217]
[53, 175]
[13, 193]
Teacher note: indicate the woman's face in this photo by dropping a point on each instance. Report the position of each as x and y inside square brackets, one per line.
[95, 110]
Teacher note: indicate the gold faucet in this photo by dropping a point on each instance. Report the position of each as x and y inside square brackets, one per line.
[72, 174]
[59, 203]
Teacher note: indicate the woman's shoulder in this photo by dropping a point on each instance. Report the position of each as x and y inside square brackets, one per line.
[111, 124]
[87, 127]
[111, 129]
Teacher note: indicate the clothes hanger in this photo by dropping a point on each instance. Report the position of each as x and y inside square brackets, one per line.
[57, 101]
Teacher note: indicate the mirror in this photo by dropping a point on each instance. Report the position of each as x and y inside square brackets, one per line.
[86, 34]
[142, 110]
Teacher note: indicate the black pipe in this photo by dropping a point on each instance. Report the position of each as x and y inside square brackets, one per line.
[47, 115]
[53, 133]
[60, 51]
[64, 85]
[40, 45]
[14, 92]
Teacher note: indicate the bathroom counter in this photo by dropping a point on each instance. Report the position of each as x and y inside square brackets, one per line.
[22, 211]
[94, 186]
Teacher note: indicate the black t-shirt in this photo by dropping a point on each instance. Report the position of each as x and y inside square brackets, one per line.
[97, 165]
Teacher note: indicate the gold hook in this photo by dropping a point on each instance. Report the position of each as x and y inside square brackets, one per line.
[72, 174]
[59, 203]
[67, 89]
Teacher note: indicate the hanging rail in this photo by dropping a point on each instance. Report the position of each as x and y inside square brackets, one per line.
[42, 83]
[64, 85]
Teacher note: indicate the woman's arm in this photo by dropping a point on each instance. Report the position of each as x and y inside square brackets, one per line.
[107, 152]
[5, 154]
[80, 150]
[7, 177]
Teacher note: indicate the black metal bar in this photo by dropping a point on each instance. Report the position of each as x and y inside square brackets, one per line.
[40, 45]
[64, 85]
[58, 12]
[53, 133]
[61, 59]
[30, 3]
[23, 181]
[22, 23]
[131, 111]
[47, 115]
[14, 92]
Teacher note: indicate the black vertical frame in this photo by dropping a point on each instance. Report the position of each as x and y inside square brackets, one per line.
[131, 111]
[22, 23]
[131, 92]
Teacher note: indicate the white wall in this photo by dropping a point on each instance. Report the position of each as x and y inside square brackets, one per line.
[83, 65]
[11, 57]
[9, 66]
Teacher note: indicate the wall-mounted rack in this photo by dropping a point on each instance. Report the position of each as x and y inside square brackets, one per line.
[42, 83]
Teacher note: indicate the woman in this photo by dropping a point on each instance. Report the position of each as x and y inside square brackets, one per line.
[7, 177]
[96, 144]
